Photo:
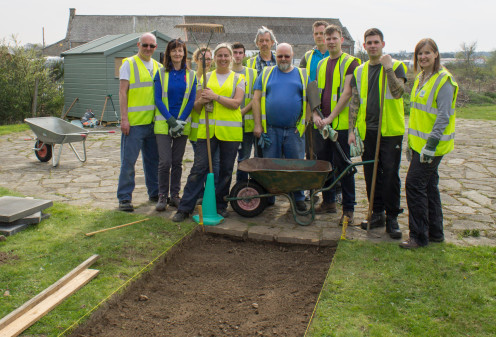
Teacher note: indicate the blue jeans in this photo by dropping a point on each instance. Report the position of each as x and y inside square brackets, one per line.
[244, 153]
[198, 174]
[140, 138]
[325, 149]
[286, 143]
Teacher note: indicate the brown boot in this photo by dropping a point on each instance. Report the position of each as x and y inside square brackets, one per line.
[325, 207]
[351, 219]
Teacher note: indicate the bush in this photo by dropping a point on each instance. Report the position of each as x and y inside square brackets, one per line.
[478, 98]
[20, 68]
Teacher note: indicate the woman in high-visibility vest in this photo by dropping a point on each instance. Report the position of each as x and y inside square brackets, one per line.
[175, 92]
[431, 134]
[225, 89]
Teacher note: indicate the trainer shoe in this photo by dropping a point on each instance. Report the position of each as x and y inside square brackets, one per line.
[326, 207]
[126, 206]
[351, 218]
[162, 203]
[180, 216]
[174, 201]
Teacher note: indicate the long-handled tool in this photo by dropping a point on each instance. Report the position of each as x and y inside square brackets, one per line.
[74, 102]
[116, 227]
[210, 216]
[376, 157]
[109, 97]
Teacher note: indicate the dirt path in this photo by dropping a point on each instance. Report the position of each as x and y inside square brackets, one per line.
[214, 286]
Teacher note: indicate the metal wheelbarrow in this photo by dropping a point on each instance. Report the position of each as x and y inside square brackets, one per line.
[52, 130]
[271, 176]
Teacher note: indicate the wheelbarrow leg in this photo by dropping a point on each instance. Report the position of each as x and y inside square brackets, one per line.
[56, 159]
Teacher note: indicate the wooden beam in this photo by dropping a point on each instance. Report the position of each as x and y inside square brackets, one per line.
[54, 288]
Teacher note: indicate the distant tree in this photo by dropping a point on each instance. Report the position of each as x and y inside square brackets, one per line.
[20, 69]
[360, 52]
[491, 62]
[467, 55]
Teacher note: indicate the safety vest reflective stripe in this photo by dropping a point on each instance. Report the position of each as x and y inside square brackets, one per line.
[140, 108]
[221, 123]
[250, 117]
[425, 135]
[137, 81]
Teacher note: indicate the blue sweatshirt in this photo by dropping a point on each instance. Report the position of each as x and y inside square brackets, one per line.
[176, 89]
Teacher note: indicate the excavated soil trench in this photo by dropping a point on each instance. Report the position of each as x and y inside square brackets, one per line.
[216, 286]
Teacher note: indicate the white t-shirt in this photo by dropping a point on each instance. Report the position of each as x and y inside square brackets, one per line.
[221, 78]
[125, 71]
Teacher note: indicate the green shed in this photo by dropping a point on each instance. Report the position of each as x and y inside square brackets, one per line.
[91, 72]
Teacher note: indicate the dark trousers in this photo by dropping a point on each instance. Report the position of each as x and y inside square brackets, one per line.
[425, 214]
[170, 165]
[198, 174]
[244, 153]
[326, 149]
[387, 188]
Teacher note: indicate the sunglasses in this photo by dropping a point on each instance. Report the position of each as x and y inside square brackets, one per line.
[146, 45]
[284, 56]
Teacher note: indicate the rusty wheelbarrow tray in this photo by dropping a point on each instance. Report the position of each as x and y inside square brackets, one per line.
[272, 176]
[52, 130]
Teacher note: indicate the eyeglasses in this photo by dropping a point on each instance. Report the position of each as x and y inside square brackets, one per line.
[283, 56]
[151, 45]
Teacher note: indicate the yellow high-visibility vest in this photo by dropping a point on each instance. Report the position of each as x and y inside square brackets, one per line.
[338, 79]
[250, 77]
[224, 123]
[300, 124]
[423, 113]
[140, 99]
[393, 115]
[161, 126]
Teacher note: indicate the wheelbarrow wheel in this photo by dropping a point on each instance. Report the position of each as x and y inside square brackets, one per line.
[252, 207]
[44, 153]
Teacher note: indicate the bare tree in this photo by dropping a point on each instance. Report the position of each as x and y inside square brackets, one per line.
[467, 54]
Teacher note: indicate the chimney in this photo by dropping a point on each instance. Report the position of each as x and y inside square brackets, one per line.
[72, 13]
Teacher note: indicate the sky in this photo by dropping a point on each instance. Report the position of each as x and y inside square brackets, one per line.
[404, 23]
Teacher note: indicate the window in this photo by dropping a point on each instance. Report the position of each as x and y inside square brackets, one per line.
[117, 65]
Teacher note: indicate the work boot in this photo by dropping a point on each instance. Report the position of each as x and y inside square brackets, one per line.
[378, 219]
[223, 213]
[326, 207]
[392, 227]
[350, 216]
[301, 206]
[126, 206]
[174, 201]
[180, 216]
[154, 198]
[162, 203]
[409, 244]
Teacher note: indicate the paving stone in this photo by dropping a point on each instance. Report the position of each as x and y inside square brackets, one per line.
[14, 208]
[468, 224]
[477, 197]
[461, 209]
[230, 227]
[263, 233]
[298, 236]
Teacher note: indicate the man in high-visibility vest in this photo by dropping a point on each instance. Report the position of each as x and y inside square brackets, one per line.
[264, 40]
[334, 74]
[250, 75]
[279, 111]
[137, 107]
[365, 107]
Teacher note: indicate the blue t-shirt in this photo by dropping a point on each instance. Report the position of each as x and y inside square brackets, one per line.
[284, 98]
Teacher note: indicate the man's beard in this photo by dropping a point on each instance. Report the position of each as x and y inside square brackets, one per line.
[283, 66]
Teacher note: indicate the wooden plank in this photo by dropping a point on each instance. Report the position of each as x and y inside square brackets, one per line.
[31, 316]
[47, 292]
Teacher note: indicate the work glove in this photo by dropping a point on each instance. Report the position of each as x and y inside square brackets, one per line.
[175, 127]
[428, 151]
[356, 150]
[408, 152]
[264, 141]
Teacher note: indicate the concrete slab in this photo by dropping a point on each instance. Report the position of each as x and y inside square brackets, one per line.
[11, 230]
[14, 208]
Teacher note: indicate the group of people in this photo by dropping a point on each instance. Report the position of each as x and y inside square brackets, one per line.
[263, 105]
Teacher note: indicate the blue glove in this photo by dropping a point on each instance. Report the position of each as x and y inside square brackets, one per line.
[264, 141]
[428, 151]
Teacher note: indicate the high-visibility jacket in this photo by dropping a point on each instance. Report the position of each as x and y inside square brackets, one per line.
[161, 126]
[300, 124]
[140, 99]
[423, 113]
[338, 79]
[252, 62]
[250, 77]
[224, 123]
[393, 115]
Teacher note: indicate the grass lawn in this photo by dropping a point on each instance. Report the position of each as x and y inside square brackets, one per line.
[6, 129]
[486, 112]
[44, 253]
[382, 290]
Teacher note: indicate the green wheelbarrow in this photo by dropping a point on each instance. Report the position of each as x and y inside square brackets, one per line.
[272, 176]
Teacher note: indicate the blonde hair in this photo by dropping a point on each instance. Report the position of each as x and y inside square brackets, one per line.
[223, 45]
